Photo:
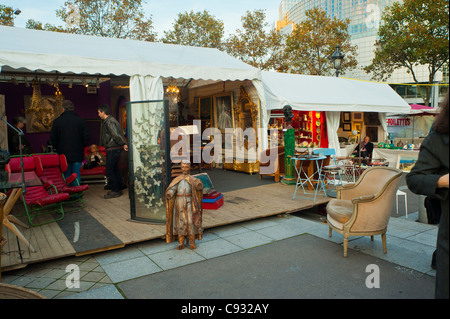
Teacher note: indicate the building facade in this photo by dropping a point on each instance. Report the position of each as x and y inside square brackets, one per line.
[365, 18]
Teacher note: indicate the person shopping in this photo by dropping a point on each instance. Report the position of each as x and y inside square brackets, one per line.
[112, 138]
[429, 177]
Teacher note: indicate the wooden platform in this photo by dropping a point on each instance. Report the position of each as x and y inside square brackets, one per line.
[105, 224]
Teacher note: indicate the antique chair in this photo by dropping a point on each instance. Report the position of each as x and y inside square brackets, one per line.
[265, 163]
[54, 166]
[39, 200]
[363, 208]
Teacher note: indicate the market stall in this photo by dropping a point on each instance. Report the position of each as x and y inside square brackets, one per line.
[120, 71]
[347, 104]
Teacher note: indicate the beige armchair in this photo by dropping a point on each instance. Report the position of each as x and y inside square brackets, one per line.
[363, 208]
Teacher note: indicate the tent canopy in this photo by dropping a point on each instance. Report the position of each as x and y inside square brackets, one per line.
[323, 93]
[36, 50]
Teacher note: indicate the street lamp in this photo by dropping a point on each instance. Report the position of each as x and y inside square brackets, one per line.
[337, 58]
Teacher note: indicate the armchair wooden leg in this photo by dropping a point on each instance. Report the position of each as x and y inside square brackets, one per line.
[345, 247]
[259, 176]
[329, 231]
[383, 239]
[371, 238]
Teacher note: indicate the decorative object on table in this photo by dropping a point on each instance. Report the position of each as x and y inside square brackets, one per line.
[212, 198]
[184, 208]
[289, 147]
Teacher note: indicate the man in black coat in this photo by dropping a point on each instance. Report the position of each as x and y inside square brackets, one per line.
[69, 135]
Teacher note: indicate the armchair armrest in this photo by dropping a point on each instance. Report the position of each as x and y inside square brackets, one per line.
[361, 199]
[71, 178]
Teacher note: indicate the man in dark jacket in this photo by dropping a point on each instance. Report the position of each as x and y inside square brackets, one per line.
[112, 139]
[13, 138]
[69, 135]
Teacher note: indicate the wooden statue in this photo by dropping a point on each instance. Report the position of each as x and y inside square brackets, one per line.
[184, 208]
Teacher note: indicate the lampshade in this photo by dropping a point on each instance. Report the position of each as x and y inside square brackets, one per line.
[337, 58]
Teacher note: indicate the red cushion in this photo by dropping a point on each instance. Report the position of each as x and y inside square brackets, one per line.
[30, 163]
[75, 189]
[99, 170]
[50, 199]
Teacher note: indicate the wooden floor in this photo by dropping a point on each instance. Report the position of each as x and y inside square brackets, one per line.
[54, 240]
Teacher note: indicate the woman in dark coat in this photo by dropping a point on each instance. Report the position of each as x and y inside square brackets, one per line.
[429, 177]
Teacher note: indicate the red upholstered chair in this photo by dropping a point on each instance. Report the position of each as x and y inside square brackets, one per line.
[39, 200]
[96, 172]
[54, 166]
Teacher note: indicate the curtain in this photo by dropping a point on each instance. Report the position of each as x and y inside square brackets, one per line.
[265, 116]
[333, 120]
[382, 118]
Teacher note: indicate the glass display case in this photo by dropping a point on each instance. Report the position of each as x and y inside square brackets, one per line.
[148, 139]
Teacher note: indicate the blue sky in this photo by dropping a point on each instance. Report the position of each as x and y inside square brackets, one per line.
[163, 15]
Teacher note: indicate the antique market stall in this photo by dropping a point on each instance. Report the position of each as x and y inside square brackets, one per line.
[135, 78]
[346, 104]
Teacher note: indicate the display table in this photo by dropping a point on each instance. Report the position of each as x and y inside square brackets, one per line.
[394, 157]
[347, 150]
[304, 176]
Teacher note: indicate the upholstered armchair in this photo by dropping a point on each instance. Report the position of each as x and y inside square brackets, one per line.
[363, 208]
[264, 163]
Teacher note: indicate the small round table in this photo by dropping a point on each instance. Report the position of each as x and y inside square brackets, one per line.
[303, 177]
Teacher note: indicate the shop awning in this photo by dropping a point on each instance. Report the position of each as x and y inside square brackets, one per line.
[417, 109]
[35, 50]
[324, 93]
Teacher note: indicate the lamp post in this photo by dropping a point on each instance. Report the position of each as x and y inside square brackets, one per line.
[337, 58]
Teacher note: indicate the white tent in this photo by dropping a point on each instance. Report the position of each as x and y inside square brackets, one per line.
[24, 50]
[146, 63]
[332, 95]
[62, 52]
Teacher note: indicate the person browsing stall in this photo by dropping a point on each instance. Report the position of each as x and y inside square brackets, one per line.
[113, 140]
[69, 135]
[13, 138]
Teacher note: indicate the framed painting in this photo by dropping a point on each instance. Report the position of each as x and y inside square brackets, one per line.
[357, 116]
[357, 126]
[223, 111]
[347, 127]
[42, 122]
[346, 117]
[405, 162]
[204, 108]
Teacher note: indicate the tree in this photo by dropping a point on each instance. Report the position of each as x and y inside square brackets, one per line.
[37, 25]
[107, 18]
[199, 29]
[412, 34]
[312, 43]
[256, 44]
[6, 16]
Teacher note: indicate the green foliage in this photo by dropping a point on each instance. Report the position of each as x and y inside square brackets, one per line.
[6, 16]
[255, 44]
[412, 33]
[199, 29]
[312, 43]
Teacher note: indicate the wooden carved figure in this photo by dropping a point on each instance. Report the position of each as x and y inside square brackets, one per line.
[184, 208]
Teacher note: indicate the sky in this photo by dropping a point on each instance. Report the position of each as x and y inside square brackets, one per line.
[163, 12]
